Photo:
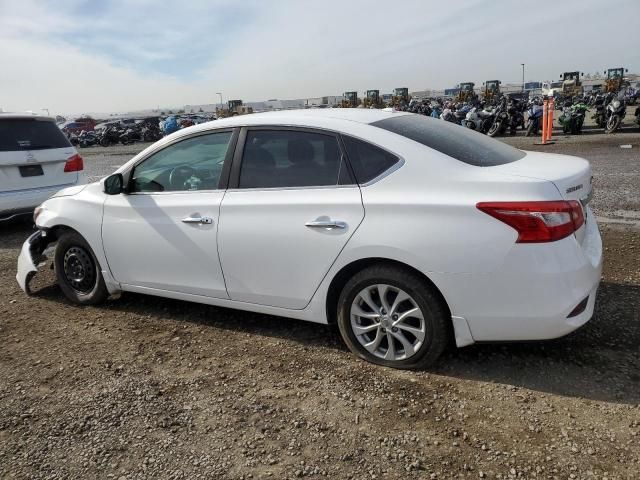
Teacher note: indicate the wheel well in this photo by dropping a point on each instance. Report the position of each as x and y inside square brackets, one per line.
[57, 231]
[343, 276]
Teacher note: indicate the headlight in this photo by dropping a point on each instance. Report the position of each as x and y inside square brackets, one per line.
[37, 211]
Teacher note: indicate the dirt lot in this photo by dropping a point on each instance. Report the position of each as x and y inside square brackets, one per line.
[144, 387]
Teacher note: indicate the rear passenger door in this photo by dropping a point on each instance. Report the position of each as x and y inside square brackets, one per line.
[291, 206]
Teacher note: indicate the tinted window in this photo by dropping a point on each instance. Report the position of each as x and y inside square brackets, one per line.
[30, 134]
[454, 140]
[281, 158]
[192, 164]
[368, 161]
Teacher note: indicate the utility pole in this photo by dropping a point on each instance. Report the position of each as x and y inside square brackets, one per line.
[522, 76]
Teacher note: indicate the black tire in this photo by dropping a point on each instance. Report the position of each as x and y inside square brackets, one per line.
[530, 129]
[494, 129]
[436, 320]
[90, 289]
[613, 123]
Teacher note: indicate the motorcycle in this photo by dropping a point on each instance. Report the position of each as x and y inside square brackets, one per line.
[500, 119]
[516, 115]
[616, 110]
[151, 133]
[130, 135]
[534, 118]
[572, 118]
[87, 139]
[600, 104]
[479, 119]
[455, 115]
[110, 136]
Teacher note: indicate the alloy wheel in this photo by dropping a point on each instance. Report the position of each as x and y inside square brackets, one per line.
[388, 322]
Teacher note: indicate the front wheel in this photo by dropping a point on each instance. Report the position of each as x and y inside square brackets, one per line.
[78, 271]
[389, 316]
[613, 122]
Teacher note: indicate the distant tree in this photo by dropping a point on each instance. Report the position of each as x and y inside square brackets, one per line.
[180, 111]
[200, 110]
[587, 76]
[161, 113]
[170, 112]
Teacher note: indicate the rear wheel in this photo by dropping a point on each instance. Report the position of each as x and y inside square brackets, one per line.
[529, 131]
[78, 271]
[389, 316]
[494, 129]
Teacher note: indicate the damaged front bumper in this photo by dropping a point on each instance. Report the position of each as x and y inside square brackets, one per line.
[30, 258]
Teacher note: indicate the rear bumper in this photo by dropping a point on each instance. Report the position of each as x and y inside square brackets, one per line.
[534, 293]
[22, 202]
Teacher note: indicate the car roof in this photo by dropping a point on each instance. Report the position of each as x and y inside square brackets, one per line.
[321, 117]
[16, 115]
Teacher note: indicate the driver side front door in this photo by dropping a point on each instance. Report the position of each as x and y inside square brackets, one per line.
[161, 235]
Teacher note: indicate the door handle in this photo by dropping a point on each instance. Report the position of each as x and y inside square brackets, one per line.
[328, 224]
[199, 220]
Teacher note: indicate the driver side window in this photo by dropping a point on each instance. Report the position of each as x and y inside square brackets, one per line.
[190, 165]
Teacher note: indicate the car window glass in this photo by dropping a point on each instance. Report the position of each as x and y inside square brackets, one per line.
[274, 158]
[455, 141]
[30, 134]
[192, 164]
[367, 161]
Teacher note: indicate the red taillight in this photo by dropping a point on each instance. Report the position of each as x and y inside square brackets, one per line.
[74, 164]
[537, 221]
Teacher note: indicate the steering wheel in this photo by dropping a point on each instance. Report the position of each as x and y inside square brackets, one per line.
[179, 175]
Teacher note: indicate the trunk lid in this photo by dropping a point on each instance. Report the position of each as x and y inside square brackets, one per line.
[35, 169]
[571, 176]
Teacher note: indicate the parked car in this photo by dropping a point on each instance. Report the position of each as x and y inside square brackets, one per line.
[404, 230]
[78, 125]
[36, 160]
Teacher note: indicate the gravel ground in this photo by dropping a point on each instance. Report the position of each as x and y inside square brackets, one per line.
[144, 387]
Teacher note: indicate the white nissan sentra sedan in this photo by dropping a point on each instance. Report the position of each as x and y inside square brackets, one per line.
[404, 230]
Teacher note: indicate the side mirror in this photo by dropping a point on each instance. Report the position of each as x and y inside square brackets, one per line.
[114, 184]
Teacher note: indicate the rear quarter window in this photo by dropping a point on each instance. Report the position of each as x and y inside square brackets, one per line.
[30, 134]
[455, 141]
[367, 161]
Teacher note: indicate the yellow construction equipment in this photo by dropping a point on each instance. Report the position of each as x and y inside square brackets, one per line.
[350, 100]
[615, 79]
[234, 107]
[466, 92]
[571, 84]
[372, 99]
[400, 97]
[491, 90]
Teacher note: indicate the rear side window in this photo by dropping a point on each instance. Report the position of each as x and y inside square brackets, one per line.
[367, 161]
[288, 158]
[30, 134]
[455, 141]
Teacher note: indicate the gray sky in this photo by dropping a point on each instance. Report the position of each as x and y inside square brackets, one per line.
[118, 55]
